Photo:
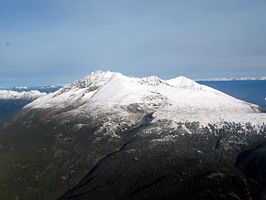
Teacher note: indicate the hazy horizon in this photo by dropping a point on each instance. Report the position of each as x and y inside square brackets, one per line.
[57, 42]
[243, 78]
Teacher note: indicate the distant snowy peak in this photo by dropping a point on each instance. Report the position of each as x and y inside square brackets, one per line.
[21, 87]
[184, 82]
[50, 86]
[13, 95]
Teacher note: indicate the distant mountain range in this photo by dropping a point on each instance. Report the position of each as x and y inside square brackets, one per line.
[234, 79]
[46, 89]
[26, 95]
[12, 101]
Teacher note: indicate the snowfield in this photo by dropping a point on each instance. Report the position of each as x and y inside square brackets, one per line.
[179, 99]
[13, 95]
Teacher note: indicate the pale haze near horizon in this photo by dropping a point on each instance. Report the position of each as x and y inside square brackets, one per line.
[55, 42]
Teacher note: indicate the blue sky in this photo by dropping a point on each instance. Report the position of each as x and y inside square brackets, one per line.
[58, 41]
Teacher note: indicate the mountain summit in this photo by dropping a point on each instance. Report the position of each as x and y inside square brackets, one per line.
[178, 99]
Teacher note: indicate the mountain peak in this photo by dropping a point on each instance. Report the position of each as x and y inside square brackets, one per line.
[179, 99]
[99, 74]
[151, 80]
[91, 82]
[96, 78]
[184, 82]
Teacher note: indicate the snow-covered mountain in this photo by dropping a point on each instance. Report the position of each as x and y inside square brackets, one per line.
[109, 136]
[14, 95]
[179, 99]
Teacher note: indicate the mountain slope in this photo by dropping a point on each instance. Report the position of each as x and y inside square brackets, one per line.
[179, 99]
[12, 101]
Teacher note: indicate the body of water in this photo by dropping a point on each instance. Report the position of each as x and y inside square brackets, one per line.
[250, 91]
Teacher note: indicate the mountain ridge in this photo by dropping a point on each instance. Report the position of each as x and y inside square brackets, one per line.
[168, 99]
[14, 95]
